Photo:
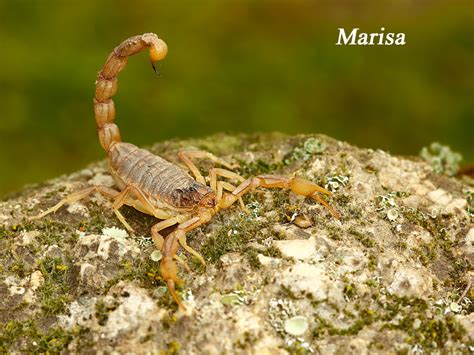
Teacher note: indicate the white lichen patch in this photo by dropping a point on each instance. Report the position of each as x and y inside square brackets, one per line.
[117, 240]
[297, 248]
[296, 326]
[101, 179]
[156, 255]
[16, 290]
[81, 313]
[78, 208]
[87, 271]
[307, 278]
[268, 261]
[36, 280]
[114, 232]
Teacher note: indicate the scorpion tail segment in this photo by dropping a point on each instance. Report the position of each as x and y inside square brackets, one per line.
[106, 83]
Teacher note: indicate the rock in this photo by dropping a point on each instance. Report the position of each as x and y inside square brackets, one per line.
[408, 282]
[99, 257]
[458, 204]
[78, 208]
[306, 278]
[298, 249]
[467, 322]
[28, 237]
[468, 246]
[136, 310]
[440, 197]
[102, 180]
[397, 259]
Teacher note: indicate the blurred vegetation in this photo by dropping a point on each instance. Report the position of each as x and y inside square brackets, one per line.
[242, 66]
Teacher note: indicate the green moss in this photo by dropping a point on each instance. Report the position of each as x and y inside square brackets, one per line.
[342, 199]
[173, 348]
[19, 268]
[364, 239]
[13, 330]
[431, 332]
[400, 314]
[286, 293]
[55, 340]
[247, 341]
[51, 232]
[257, 167]
[434, 225]
[232, 235]
[53, 293]
[335, 233]
[96, 221]
[24, 336]
[168, 321]
[298, 347]
[425, 253]
[372, 265]
[365, 318]
[5, 233]
[142, 270]
[252, 257]
[350, 291]
[371, 169]
[272, 252]
[102, 311]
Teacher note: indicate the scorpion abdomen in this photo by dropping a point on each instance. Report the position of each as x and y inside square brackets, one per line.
[153, 175]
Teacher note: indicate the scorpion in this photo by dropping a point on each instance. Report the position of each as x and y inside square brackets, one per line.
[154, 186]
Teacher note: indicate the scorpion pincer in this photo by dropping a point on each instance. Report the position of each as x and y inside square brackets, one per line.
[159, 188]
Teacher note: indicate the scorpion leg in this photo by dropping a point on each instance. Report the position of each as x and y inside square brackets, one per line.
[145, 206]
[219, 185]
[297, 185]
[188, 155]
[156, 228]
[119, 201]
[79, 195]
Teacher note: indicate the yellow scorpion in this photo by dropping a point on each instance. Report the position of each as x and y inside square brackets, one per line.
[159, 188]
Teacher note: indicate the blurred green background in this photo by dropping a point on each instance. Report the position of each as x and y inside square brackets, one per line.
[234, 66]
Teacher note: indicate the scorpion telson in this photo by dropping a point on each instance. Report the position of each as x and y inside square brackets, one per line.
[159, 188]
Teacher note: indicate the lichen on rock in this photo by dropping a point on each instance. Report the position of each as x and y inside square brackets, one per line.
[394, 274]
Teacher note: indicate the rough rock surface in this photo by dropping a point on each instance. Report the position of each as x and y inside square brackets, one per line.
[393, 274]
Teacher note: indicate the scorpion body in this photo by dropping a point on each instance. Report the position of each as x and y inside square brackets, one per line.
[165, 185]
[157, 187]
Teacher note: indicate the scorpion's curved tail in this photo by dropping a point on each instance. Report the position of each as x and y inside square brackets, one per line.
[106, 83]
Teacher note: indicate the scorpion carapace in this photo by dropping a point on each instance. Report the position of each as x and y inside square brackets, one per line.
[157, 187]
